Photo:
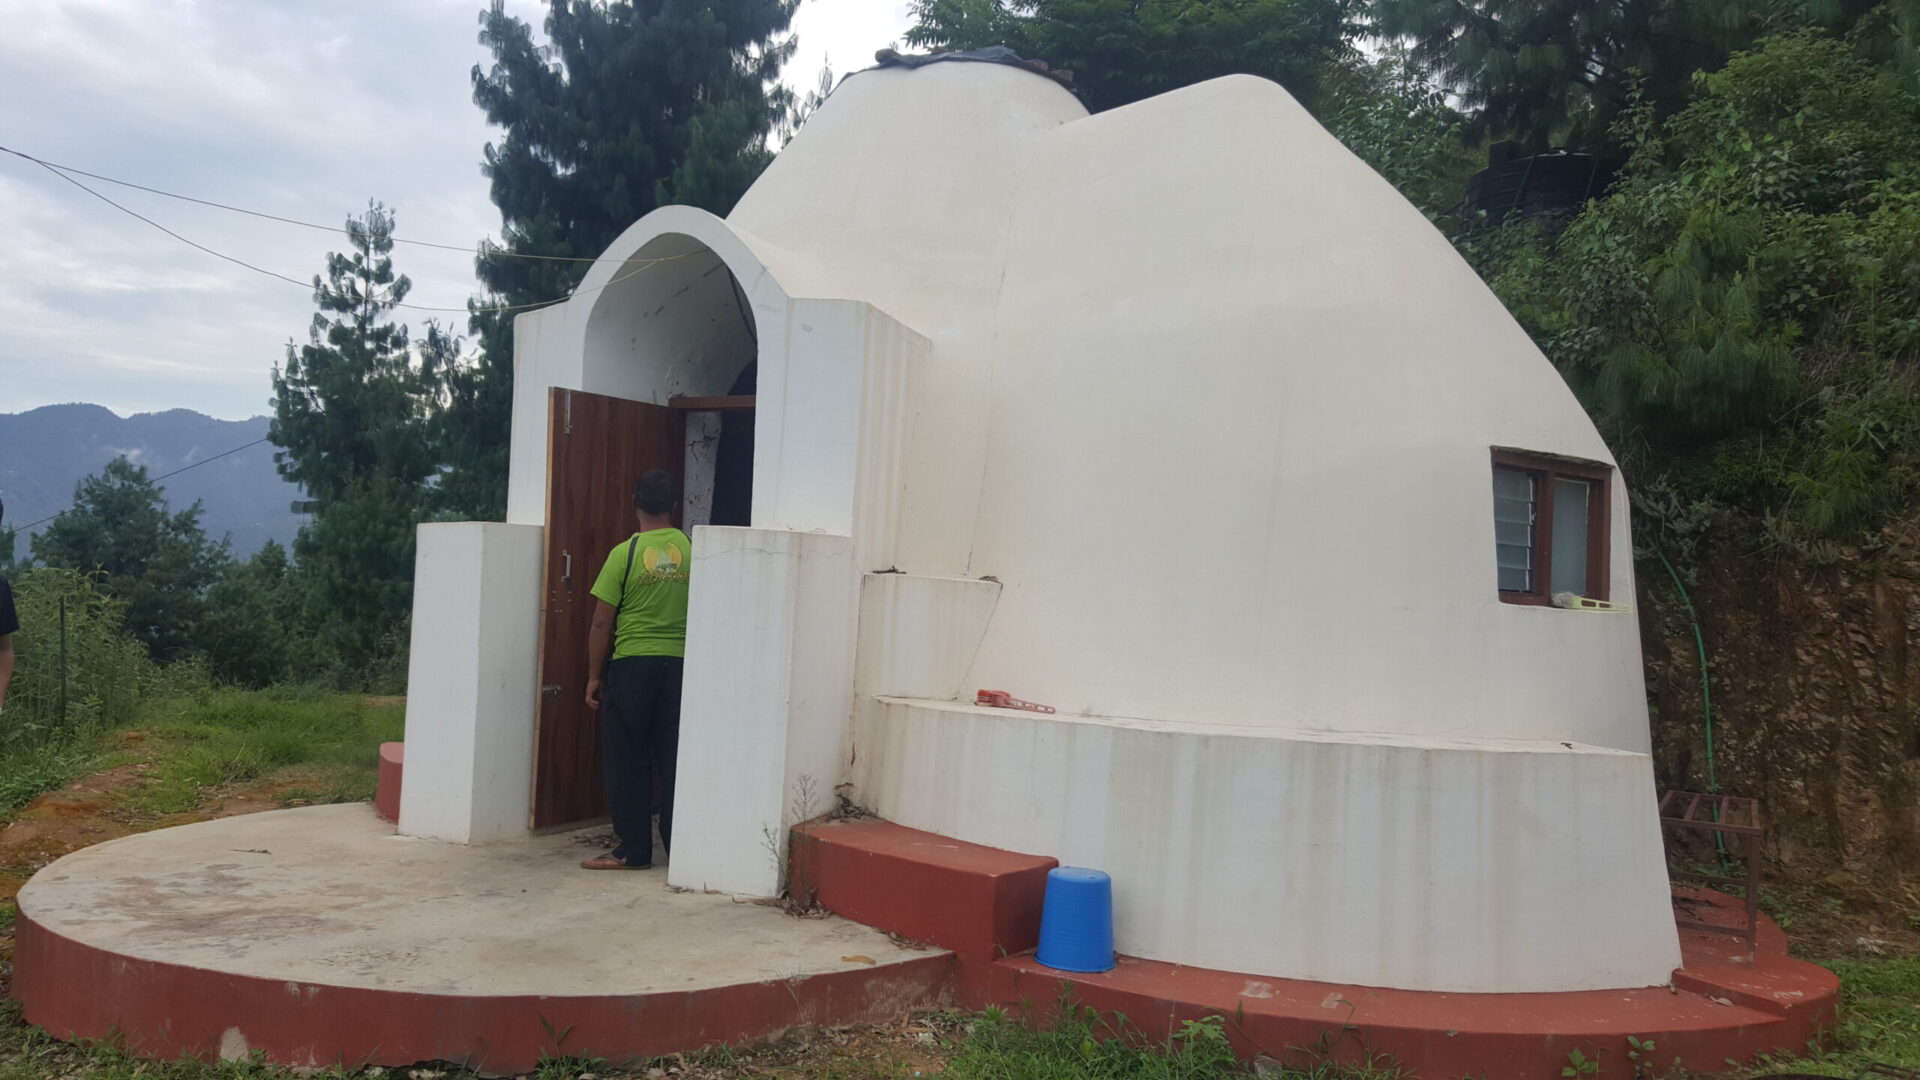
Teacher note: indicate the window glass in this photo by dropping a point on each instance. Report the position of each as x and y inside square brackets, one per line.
[1514, 495]
[1569, 546]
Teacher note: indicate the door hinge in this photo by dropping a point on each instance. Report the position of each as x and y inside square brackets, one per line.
[567, 427]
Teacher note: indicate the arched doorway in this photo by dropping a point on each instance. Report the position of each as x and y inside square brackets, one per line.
[670, 355]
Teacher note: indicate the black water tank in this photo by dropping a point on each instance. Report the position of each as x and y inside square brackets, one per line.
[1512, 186]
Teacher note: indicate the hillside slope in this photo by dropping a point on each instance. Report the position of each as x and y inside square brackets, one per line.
[44, 452]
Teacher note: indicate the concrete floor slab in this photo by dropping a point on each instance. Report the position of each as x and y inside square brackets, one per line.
[331, 895]
[327, 905]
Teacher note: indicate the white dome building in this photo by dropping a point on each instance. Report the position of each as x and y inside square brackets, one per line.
[1177, 418]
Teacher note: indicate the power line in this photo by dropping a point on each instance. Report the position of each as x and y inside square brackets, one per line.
[643, 263]
[60, 169]
[169, 232]
[224, 453]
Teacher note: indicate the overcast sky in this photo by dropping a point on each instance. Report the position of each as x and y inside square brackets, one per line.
[295, 108]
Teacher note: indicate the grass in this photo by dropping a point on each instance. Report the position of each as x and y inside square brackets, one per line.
[1879, 1020]
[227, 737]
[29, 766]
[325, 745]
[1084, 1045]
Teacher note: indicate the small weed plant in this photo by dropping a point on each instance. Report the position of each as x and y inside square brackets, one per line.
[1579, 1064]
[1085, 1045]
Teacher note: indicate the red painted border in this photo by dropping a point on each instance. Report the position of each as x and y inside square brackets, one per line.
[386, 797]
[164, 1010]
[982, 903]
[906, 880]
[1512, 1036]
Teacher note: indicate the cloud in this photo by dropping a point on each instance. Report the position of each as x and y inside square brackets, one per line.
[302, 110]
[842, 34]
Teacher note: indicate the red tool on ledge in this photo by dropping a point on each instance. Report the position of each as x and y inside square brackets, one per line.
[1000, 699]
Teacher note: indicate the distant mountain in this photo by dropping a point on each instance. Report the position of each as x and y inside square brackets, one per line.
[45, 451]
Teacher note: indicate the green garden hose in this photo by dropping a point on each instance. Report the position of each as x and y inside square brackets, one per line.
[1706, 683]
[1706, 699]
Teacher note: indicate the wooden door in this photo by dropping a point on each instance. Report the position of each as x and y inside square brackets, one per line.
[596, 447]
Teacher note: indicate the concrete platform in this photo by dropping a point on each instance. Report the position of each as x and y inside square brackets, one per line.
[1718, 1006]
[319, 936]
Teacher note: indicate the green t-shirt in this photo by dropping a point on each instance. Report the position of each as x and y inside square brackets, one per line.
[653, 620]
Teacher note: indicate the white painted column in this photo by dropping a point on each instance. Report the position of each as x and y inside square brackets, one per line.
[472, 682]
[765, 705]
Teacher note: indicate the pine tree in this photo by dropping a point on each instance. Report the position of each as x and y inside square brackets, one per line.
[627, 108]
[255, 617]
[1550, 73]
[354, 417]
[1120, 51]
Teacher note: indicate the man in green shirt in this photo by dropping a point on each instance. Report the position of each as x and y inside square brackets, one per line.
[640, 617]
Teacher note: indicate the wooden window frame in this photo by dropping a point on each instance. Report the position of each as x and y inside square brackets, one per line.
[1545, 470]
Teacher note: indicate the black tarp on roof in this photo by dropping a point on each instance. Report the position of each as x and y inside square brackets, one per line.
[992, 54]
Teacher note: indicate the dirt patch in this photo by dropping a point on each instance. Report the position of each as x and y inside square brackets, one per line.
[92, 810]
[76, 816]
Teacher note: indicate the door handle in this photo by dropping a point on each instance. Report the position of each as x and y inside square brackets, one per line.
[551, 691]
[566, 566]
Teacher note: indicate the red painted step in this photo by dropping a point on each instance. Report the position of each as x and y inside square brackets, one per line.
[981, 903]
[984, 905]
[386, 792]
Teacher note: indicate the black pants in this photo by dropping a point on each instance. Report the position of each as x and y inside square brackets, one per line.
[639, 738]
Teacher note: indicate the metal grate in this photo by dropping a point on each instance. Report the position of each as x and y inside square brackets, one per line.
[1736, 825]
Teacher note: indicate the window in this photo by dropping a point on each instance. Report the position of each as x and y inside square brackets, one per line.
[1549, 528]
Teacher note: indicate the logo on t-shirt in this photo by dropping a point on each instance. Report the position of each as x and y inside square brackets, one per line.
[665, 562]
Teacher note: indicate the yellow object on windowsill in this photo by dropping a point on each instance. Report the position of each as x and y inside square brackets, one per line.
[1571, 602]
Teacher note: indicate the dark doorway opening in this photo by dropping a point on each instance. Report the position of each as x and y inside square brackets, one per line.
[733, 459]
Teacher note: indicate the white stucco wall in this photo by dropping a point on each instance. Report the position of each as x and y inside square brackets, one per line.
[1474, 865]
[1281, 351]
[1213, 407]
[472, 682]
[900, 191]
[1284, 492]
[766, 701]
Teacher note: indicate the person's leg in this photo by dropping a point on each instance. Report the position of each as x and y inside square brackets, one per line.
[664, 741]
[623, 759]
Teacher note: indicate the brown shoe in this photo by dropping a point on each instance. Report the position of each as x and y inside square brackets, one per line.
[608, 862]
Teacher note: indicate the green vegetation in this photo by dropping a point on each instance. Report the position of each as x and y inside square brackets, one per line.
[85, 686]
[1002, 1048]
[1120, 51]
[1879, 1020]
[384, 429]
[156, 562]
[1084, 1045]
[352, 412]
[329, 744]
[1740, 312]
[70, 684]
[585, 150]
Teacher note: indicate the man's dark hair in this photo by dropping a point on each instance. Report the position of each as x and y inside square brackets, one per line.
[655, 492]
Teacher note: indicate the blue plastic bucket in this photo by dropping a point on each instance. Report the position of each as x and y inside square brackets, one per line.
[1076, 921]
